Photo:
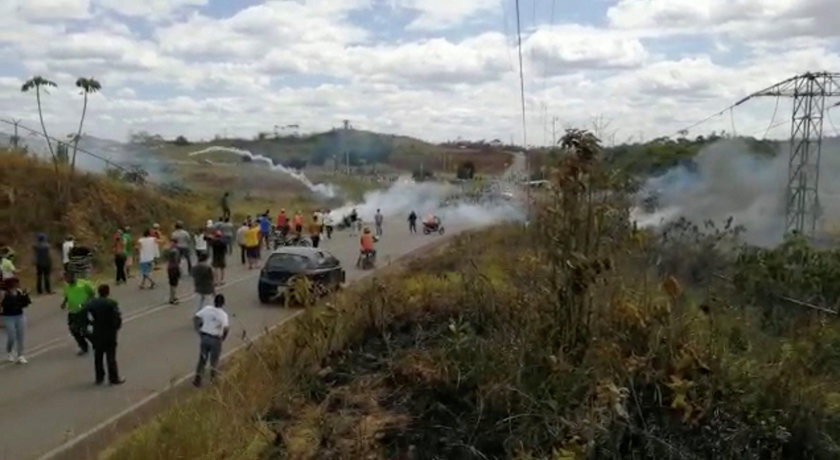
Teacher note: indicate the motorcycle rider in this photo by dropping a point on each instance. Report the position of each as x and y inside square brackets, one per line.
[367, 248]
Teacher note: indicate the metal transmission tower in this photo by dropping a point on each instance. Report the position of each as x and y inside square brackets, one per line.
[809, 91]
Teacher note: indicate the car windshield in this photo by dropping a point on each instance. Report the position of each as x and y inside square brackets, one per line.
[287, 263]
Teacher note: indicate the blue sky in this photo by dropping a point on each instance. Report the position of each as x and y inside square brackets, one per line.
[436, 69]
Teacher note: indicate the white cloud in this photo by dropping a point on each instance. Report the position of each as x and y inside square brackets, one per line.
[41, 10]
[444, 14]
[570, 48]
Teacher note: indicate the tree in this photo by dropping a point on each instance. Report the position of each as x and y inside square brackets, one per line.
[37, 82]
[88, 86]
[181, 140]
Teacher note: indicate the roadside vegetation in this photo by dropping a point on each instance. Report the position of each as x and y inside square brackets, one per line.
[578, 337]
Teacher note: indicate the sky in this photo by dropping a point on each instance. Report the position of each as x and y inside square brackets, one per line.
[435, 69]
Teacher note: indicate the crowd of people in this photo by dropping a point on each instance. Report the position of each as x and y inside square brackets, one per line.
[94, 317]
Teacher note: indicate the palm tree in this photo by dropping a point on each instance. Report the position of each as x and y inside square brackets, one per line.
[88, 86]
[37, 82]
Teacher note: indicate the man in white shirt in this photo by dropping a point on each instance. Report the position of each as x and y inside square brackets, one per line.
[212, 325]
[148, 248]
[65, 252]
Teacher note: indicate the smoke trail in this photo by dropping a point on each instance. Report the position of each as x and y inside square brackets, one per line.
[326, 190]
[749, 187]
[406, 195]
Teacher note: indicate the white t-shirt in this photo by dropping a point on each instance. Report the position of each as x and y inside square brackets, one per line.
[213, 320]
[148, 249]
[65, 251]
[200, 242]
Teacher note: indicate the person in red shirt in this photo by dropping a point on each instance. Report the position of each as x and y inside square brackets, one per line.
[298, 222]
[282, 222]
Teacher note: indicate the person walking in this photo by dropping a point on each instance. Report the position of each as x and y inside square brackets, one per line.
[252, 245]
[315, 231]
[378, 220]
[212, 324]
[76, 293]
[219, 248]
[11, 309]
[183, 244]
[282, 223]
[128, 241]
[297, 221]
[328, 224]
[202, 275]
[265, 230]
[173, 270]
[240, 240]
[412, 222]
[104, 315]
[66, 246]
[43, 264]
[148, 247]
[200, 243]
[120, 258]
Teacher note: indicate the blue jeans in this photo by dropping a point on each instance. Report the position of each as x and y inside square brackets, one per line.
[14, 333]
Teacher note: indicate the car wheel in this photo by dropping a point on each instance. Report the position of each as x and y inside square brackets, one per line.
[265, 298]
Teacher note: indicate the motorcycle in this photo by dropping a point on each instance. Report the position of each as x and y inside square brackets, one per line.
[366, 261]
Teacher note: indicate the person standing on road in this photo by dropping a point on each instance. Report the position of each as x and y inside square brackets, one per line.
[252, 245]
[315, 231]
[200, 243]
[226, 205]
[43, 264]
[240, 240]
[219, 248]
[76, 293]
[202, 276]
[183, 244]
[412, 222]
[128, 243]
[12, 305]
[120, 258]
[298, 223]
[173, 270]
[282, 223]
[265, 230]
[148, 248]
[378, 219]
[328, 224]
[105, 317]
[228, 234]
[65, 252]
[212, 324]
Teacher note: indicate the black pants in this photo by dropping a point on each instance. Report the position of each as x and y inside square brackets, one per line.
[77, 323]
[316, 240]
[105, 351]
[329, 231]
[43, 283]
[184, 253]
[243, 251]
[412, 227]
[119, 263]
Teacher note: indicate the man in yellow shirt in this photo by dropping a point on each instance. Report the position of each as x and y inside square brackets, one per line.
[252, 245]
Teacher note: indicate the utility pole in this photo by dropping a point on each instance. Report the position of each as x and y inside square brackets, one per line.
[15, 138]
[809, 91]
[554, 131]
[344, 145]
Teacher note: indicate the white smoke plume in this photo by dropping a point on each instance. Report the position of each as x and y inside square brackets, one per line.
[729, 181]
[326, 190]
[405, 195]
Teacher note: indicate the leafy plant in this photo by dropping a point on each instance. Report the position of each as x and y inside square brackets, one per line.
[88, 86]
[38, 83]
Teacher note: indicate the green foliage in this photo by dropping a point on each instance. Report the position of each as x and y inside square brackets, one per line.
[181, 141]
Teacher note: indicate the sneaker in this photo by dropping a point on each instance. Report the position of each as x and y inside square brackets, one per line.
[196, 381]
[21, 360]
[116, 382]
[81, 353]
[12, 357]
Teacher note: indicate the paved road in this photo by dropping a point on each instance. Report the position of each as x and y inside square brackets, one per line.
[52, 400]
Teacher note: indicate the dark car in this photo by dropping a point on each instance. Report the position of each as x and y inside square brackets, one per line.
[322, 269]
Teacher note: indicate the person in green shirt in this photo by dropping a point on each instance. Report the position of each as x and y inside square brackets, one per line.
[128, 247]
[76, 294]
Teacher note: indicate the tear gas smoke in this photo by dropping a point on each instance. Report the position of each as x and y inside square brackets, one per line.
[729, 181]
[326, 190]
[406, 195]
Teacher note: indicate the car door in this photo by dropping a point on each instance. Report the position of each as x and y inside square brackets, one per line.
[330, 266]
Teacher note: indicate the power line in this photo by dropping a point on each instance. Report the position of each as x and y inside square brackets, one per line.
[521, 77]
[53, 139]
[775, 110]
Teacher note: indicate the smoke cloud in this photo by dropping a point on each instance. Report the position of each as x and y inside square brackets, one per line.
[326, 190]
[441, 199]
[729, 181]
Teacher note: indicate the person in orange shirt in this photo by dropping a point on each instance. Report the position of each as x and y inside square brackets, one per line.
[367, 242]
[315, 231]
[298, 223]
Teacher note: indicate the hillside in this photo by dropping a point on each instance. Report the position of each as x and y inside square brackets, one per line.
[34, 199]
[363, 148]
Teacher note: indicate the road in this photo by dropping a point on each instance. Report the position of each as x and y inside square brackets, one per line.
[53, 401]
